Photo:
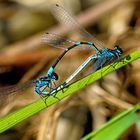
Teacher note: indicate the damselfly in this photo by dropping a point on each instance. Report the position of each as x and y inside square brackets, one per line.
[103, 54]
[103, 57]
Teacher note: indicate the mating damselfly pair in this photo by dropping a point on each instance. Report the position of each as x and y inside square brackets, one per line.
[44, 86]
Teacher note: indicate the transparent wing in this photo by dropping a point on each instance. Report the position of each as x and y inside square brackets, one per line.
[9, 92]
[103, 61]
[99, 62]
[57, 40]
[68, 20]
[60, 42]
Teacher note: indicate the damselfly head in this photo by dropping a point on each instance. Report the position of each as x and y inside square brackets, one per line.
[118, 50]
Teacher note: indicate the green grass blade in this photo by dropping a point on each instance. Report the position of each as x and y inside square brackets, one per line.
[23, 113]
[113, 129]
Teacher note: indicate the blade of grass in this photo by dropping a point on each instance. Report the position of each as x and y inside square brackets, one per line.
[23, 113]
[115, 127]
